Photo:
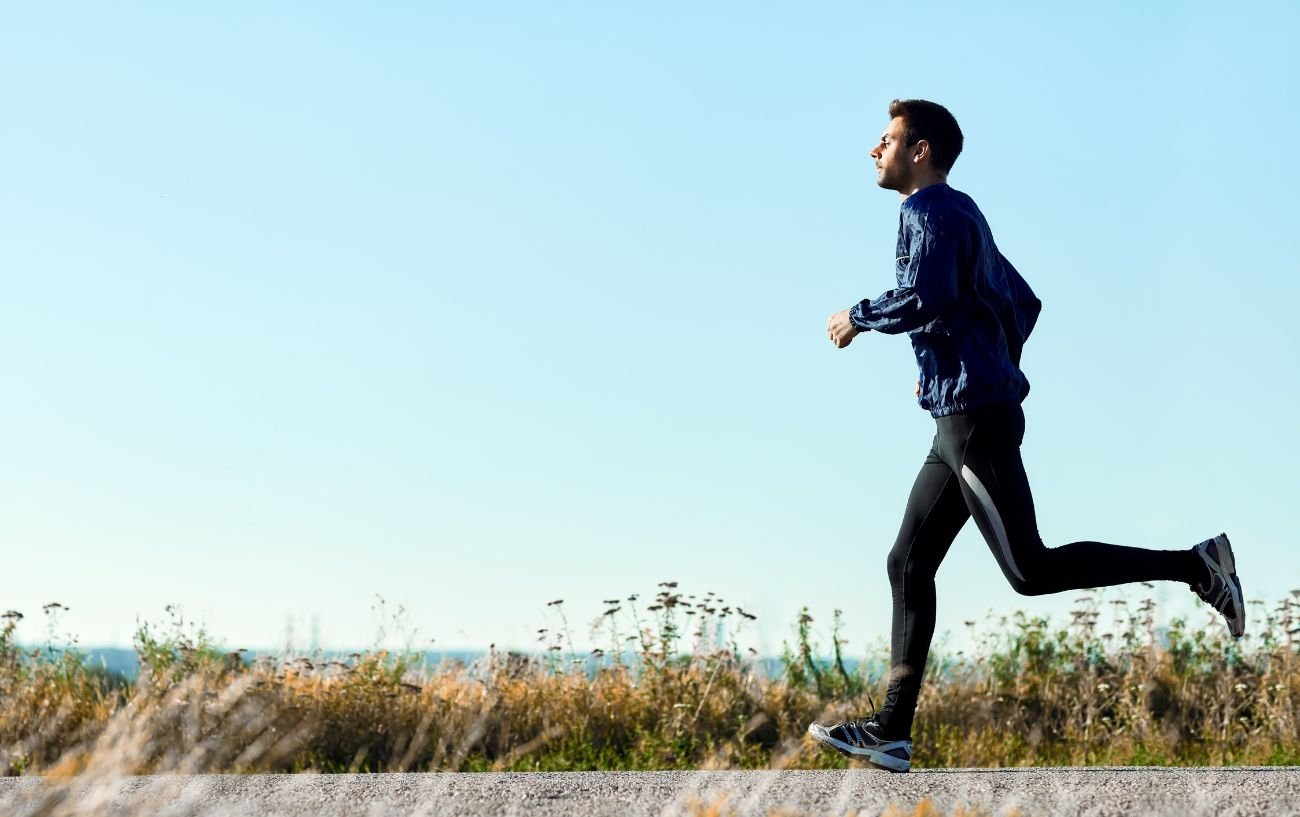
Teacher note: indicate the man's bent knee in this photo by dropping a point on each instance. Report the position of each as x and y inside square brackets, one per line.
[1030, 585]
[896, 567]
[905, 569]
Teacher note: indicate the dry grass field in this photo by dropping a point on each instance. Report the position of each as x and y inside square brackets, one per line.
[673, 691]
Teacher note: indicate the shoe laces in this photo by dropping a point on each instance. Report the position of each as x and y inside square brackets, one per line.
[872, 717]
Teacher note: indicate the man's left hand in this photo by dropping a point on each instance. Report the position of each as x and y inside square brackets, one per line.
[841, 329]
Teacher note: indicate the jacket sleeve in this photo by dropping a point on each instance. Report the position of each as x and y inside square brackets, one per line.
[1025, 308]
[927, 278]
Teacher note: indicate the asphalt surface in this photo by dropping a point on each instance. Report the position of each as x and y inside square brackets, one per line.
[1098, 792]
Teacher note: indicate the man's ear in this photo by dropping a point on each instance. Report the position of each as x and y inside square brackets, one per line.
[920, 151]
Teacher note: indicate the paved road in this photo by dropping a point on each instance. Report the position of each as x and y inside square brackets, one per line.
[1095, 792]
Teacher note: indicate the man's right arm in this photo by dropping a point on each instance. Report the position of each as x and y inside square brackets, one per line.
[928, 282]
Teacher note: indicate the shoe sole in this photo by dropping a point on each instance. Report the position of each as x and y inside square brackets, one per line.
[1227, 569]
[877, 758]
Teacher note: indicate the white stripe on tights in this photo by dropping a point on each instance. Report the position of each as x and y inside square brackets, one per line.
[995, 519]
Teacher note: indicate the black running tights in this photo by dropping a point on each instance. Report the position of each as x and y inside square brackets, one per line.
[974, 469]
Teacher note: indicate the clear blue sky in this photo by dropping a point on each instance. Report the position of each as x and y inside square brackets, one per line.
[475, 306]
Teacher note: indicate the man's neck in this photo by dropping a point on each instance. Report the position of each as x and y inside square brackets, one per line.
[920, 183]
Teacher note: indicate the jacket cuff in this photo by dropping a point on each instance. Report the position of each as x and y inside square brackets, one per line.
[855, 318]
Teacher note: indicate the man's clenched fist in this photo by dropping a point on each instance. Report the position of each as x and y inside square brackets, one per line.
[841, 329]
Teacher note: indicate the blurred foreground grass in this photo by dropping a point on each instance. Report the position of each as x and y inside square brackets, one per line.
[673, 692]
[721, 807]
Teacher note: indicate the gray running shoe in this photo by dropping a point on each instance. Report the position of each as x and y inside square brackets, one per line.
[1223, 592]
[864, 739]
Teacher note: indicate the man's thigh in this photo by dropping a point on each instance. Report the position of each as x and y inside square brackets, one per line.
[935, 513]
[997, 492]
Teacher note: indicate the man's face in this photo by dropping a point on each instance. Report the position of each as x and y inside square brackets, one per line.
[894, 166]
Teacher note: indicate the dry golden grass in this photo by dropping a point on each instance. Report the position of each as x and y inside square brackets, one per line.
[1031, 695]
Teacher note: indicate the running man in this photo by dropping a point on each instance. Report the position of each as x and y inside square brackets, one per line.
[968, 313]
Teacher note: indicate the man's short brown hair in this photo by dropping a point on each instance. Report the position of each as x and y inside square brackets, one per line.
[933, 123]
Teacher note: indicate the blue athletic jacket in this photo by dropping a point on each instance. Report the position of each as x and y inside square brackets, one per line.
[965, 307]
